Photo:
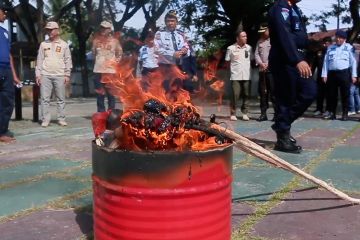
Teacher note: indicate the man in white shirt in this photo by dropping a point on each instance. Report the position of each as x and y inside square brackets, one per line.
[239, 55]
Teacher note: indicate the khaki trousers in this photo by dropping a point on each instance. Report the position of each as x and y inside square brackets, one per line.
[240, 88]
[48, 83]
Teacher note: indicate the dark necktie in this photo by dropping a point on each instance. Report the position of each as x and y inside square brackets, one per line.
[173, 39]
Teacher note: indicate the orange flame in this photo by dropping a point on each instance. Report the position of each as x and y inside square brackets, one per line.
[137, 137]
[211, 75]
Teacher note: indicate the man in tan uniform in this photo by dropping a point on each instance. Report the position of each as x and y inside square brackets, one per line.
[53, 69]
[106, 50]
[240, 55]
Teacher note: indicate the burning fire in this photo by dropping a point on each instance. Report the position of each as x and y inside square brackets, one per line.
[211, 76]
[155, 119]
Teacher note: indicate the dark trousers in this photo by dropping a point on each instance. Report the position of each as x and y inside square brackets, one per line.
[147, 74]
[7, 93]
[338, 79]
[266, 90]
[240, 89]
[293, 95]
[321, 93]
[101, 92]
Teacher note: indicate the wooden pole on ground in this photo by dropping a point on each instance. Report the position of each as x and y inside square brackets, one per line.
[254, 149]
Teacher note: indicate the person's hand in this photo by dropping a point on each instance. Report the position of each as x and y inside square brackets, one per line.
[38, 80]
[304, 69]
[178, 54]
[16, 80]
[324, 79]
[184, 50]
[354, 80]
[67, 80]
[263, 67]
[195, 78]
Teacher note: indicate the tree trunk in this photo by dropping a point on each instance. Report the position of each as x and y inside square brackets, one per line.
[40, 12]
[82, 50]
[354, 11]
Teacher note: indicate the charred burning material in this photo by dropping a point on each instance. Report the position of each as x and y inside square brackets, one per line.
[157, 127]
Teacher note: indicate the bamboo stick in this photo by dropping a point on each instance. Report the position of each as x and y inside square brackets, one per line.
[254, 149]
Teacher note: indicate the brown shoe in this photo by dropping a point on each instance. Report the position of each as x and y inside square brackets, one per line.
[7, 139]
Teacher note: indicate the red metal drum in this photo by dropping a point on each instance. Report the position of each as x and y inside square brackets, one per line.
[162, 195]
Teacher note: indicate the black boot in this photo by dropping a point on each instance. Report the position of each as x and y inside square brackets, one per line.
[284, 144]
[263, 117]
[292, 139]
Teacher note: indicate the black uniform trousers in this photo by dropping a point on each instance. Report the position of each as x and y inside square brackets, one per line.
[266, 90]
[7, 95]
[321, 93]
[293, 95]
[338, 79]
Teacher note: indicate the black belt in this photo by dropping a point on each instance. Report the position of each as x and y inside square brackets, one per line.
[340, 71]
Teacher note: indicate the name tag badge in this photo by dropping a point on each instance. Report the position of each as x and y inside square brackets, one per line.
[58, 49]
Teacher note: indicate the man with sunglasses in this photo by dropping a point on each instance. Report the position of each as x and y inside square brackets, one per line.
[240, 55]
[8, 78]
[295, 89]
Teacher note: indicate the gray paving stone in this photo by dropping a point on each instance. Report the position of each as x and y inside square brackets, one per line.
[342, 175]
[315, 143]
[85, 172]
[311, 215]
[325, 133]
[239, 213]
[48, 225]
[238, 155]
[34, 194]
[84, 201]
[29, 155]
[258, 183]
[346, 152]
[33, 169]
[299, 160]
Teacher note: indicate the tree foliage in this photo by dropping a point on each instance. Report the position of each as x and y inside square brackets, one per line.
[349, 12]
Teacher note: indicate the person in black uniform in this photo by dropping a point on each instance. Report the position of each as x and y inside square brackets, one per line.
[295, 89]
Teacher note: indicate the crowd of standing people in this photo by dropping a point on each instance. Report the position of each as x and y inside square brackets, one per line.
[285, 76]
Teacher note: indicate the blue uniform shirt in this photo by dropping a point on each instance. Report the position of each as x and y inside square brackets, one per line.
[288, 35]
[4, 48]
[339, 58]
[167, 42]
[148, 57]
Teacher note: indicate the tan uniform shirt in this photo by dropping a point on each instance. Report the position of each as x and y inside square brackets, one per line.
[53, 59]
[240, 59]
[262, 51]
[106, 50]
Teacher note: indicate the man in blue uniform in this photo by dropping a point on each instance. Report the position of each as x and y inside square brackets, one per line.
[338, 71]
[171, 47]
[147, 61]
[295, 89]
[7, 79]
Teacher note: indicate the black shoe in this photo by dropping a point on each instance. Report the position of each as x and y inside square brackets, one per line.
[262, 118]
[288, 147]
[344, 118]
[284, 144]
[9, 134]
[292, 139]
[330, 116]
